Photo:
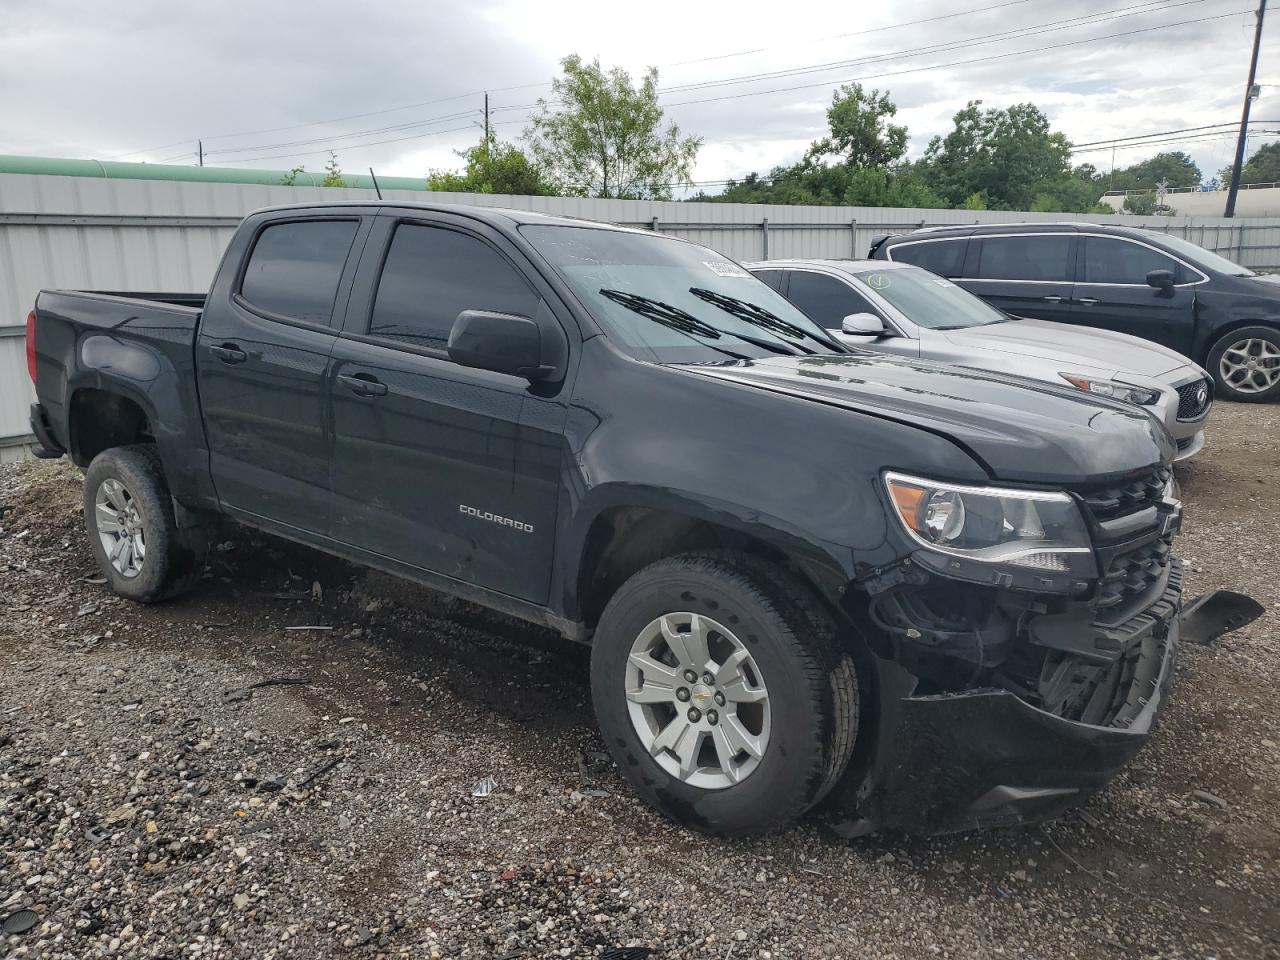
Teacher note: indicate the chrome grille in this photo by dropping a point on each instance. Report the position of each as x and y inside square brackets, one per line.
[1194, 399]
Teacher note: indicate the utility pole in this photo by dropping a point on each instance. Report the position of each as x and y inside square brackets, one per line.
[200, 152]
[1244, 117]
[486, 114]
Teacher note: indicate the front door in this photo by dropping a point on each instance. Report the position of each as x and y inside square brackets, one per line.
[428, 454]
[1026, 275]
[827, 300]
[1112, 292]
[262, 358]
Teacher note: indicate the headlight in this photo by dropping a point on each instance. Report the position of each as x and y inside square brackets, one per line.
[1142, 396]
[1025, 528]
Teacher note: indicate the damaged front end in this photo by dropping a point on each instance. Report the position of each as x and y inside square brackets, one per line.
[1006, 697]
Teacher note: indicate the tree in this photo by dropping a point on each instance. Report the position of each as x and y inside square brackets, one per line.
[868, 170]
[1262, 167]
[861, 134]
[607, 139]
[1005, 155]
[1173, 166]
[493, 167]
[1143, 204]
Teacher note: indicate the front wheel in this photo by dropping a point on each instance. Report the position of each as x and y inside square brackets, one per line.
[722, 694]
[1246, 365]
[133, 532]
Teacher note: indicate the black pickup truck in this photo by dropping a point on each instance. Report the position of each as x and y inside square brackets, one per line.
[936, 597]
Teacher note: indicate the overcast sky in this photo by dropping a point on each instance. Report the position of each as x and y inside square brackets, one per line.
[143, 79]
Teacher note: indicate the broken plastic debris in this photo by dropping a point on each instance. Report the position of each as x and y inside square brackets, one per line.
[1206, 618]
[20, 922]
[484, 787]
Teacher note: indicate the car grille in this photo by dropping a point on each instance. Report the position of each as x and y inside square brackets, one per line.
[1190, 405]
[1144, 491]
[1136, 572]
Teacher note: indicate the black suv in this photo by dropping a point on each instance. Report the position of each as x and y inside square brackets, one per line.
[1151, 285]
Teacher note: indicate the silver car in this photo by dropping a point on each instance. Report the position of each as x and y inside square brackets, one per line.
[897, 308]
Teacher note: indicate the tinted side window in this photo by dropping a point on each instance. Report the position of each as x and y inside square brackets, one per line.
[1025, 258]
[943, 257]
[825, 299]
[294, 268]
[1112, 260]
[431, 275]
[772, 277]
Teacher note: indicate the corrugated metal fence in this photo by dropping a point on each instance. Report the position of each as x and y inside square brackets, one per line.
[75, 232]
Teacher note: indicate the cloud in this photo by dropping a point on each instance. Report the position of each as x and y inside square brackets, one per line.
[149, 78]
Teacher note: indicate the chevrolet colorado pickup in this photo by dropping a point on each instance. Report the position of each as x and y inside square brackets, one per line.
[938, 598]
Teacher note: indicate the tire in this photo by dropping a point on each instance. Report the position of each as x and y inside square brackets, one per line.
[804, 728]
[171, 559]
[1229, 358]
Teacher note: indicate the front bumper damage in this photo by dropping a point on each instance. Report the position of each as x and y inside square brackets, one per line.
[1010, 750]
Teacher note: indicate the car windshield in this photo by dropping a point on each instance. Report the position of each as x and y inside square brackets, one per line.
[928, 300]
[1199, 256]
[677, 301]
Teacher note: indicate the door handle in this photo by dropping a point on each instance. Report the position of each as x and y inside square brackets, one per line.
[1088, 301]
[229, 353]
[1052, 298]
[363, 384]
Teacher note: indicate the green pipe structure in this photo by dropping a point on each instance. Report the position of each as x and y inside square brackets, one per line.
[114, 170]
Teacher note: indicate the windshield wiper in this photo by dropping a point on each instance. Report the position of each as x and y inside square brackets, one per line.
[677, 319]
[758, 316]
[672, 317]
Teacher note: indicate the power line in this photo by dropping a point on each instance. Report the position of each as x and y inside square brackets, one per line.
[959, 63]
[860, 33]
[373, 143]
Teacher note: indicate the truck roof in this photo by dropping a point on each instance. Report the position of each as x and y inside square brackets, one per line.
[498, 216]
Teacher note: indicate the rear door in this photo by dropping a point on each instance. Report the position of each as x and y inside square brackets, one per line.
[1112, 292]
[944, 256]
[446, 468]
[1024, 274]
[262, 355]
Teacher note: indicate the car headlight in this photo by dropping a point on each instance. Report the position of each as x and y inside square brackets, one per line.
[1142, 396]
[1024, 528]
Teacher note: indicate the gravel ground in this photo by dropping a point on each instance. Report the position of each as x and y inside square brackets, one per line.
[195, 779]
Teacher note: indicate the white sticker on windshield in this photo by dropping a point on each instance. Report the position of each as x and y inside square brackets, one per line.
[878, 281]
[723, 268]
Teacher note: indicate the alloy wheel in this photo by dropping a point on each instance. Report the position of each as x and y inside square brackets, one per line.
[697, 700]
[1251, 365]
[120, 527]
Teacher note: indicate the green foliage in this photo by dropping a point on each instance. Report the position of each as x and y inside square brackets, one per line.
[1174, 166]
[291, 178]
[861, 134]
[1143, 204]
[493, 167]
[974, 201]
[1262, 167]
[332, 172]
[607, 140]
[1006, 155]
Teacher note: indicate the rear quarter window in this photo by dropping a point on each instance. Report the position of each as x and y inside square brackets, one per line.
[943, 257]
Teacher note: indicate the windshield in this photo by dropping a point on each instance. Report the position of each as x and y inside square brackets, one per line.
[677, 301]
[928, 300]
[1199, 256]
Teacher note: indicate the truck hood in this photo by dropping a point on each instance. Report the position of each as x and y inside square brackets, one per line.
[1017, 430]
[1071, 346]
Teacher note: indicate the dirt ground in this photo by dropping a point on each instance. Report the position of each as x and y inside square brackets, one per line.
[196, 779]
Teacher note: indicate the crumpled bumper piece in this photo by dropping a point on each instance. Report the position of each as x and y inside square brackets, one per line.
[985, 757]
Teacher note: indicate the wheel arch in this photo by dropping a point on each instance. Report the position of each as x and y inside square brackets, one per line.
[98, 419]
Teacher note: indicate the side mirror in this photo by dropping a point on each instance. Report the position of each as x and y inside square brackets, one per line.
[1160, 279]
[862, 325]
[501, 342]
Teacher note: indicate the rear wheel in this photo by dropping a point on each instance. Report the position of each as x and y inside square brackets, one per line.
[1246, 365]
[721, 692]
[133, 531]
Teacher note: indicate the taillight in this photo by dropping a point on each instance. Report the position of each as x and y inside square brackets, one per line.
[31, 345]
